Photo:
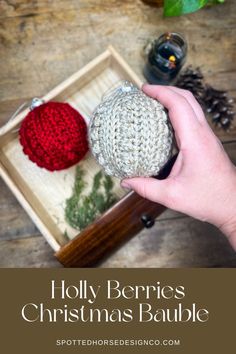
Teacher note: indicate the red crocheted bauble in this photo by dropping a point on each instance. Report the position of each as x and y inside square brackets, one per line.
[54, 136]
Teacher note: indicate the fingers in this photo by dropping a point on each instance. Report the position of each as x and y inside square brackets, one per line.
[181, 113]
[192, 101]
[150, 188]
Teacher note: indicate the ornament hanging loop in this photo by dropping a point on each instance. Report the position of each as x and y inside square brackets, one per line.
[34, 103]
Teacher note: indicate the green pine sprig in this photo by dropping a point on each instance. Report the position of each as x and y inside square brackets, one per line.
[81, 210]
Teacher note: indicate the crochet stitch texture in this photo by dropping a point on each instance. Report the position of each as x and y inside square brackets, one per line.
[130, 134]
[54, 136]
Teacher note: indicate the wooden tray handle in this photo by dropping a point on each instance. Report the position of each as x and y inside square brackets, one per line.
[119, 224]
[123, 221]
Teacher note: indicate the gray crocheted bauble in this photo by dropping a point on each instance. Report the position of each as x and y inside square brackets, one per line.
[130, 134]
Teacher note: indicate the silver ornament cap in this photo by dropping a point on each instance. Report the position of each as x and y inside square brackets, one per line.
[130, 134]
[36, 102]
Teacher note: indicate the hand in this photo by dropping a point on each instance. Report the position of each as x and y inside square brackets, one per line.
[202, 182]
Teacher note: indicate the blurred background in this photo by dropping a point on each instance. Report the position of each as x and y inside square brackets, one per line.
[43, 42]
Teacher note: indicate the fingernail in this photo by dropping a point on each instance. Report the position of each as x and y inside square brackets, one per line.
[125, 185]
[144, 85]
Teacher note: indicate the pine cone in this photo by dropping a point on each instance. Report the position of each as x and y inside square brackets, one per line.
[215, 102]
[220, 106]
[192, 80]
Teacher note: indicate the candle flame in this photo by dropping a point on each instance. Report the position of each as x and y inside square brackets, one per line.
[172, 58]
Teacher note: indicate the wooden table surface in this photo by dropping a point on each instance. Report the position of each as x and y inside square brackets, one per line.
[43, 42]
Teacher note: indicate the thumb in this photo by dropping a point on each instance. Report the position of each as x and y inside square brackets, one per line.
[150, 188]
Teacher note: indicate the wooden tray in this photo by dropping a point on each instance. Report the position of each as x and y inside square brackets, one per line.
[42, 193]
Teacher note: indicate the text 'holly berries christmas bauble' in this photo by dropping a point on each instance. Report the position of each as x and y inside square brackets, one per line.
[130, 134]
[54, 136]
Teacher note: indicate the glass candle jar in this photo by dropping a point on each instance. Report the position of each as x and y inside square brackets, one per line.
[165, 58]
